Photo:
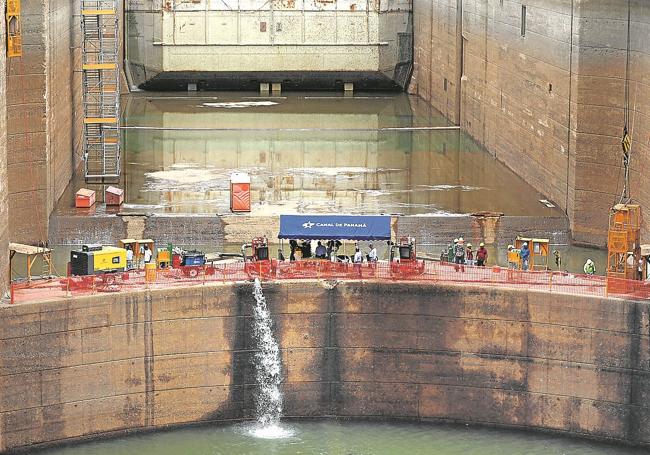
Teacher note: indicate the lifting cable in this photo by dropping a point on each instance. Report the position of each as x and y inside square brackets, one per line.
[626, 141]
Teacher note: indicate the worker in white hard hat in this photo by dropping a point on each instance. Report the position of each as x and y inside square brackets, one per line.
[469, 255]
[481, 255]
[589, 267]
[459, 251]
[513, 260]
[524, 254]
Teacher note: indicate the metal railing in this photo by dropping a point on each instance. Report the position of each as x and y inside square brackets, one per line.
[429, 272]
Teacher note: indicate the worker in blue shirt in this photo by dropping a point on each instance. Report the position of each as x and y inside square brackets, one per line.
[321, 251]
[524, 254]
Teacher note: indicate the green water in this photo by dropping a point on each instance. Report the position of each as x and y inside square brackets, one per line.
[305, 153]
[346, 438]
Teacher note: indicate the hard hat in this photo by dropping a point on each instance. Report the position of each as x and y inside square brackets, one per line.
[525, 243]
[469, 245]
[510, 247]
[461, 239]
[455, 240]
[482, 244]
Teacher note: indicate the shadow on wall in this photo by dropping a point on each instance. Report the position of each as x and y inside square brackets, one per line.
[114, 363]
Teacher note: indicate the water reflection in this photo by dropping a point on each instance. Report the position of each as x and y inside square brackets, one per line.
[310, 153]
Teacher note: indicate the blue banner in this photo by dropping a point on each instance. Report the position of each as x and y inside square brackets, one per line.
[332, 227]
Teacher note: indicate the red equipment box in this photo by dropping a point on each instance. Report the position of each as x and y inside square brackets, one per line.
[114, 196]
[84, 198]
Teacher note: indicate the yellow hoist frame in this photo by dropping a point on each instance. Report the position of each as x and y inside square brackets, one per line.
[14, 37]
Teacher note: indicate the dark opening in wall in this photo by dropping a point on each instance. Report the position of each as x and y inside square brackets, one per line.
[445, 84]
[462, 56]
[550, 88]
[523, 20]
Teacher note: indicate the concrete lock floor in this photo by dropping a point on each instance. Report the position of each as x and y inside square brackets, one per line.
[306, 153]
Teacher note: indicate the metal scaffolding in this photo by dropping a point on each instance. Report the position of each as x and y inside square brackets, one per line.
[624, 241]
[101, 91]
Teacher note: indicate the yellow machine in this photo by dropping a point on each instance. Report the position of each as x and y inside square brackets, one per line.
[163, 258]
[97, 259]
[539, 251]
[109, 258]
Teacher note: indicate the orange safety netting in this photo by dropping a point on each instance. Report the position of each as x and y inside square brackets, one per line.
[438, 272]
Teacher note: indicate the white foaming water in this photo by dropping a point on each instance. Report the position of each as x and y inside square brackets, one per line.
[267, 372]
[271, 432]
[240, 104]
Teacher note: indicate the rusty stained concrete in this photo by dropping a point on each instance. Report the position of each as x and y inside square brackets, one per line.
[4, 209]
[114, 363]
[548, 104]
[44, 114]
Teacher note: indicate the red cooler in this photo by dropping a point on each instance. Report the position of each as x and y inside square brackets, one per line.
[240, 192]
[114, 196]
[84, 198]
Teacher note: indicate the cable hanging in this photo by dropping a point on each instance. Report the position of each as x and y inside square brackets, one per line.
[626, 141]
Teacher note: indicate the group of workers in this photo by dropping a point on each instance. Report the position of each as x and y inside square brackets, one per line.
[458, 253]
[523, 254]
[145, 254]
[330, 251]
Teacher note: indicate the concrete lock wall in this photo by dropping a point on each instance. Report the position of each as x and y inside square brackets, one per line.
[549, 104]
[4, 209]
[279, 36]
[43, 96]
[118, 362]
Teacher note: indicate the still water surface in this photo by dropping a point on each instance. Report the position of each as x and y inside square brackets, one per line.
[306, 153]
[347, 438]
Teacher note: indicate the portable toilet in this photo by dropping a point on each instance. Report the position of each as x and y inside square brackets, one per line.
[114, 196]
[240, 192]
[84, 198]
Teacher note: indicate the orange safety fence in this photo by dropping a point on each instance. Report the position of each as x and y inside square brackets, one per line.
[438, 272]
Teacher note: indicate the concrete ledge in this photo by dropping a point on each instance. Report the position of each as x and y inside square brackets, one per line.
[250, 80]
[110, 364]
[187, 229]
